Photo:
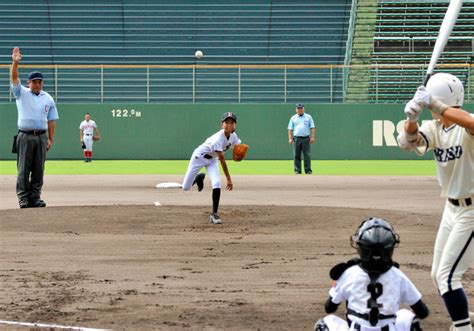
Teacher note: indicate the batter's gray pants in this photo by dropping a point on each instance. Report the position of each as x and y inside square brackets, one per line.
[31, 157]
[301, 144]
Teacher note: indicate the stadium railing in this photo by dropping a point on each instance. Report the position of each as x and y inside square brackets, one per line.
[223, 83]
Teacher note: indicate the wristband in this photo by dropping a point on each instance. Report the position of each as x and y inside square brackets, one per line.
[438, 107]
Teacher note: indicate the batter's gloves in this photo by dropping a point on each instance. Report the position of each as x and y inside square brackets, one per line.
[413, 110]
[425, 99]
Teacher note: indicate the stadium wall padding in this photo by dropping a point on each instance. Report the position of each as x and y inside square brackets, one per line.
[172, 131]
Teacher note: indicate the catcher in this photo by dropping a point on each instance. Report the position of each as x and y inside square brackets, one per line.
[89, 132]
[207, 154]
[373, 286]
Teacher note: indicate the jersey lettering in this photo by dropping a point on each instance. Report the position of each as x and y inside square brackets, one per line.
[448, 154]
[375, 291]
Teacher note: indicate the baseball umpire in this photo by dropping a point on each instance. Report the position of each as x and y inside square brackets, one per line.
[37, 114]
[450, 135]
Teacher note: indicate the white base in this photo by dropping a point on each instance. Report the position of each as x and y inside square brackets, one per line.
[169, 185]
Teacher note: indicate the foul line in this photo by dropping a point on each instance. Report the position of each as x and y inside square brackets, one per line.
[53, 326]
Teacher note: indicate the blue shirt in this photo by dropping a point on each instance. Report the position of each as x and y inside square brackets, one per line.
[301, 125]
[34, 111]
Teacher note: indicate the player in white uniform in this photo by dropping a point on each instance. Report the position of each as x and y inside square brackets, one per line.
[207, 155]
[450, 135]
[373, 286]
[88, 130]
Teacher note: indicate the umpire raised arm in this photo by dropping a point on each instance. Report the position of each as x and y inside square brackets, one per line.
[37, 115]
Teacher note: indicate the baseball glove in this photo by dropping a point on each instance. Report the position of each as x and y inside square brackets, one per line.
[83, 146]
[240, 151]
[95, 138]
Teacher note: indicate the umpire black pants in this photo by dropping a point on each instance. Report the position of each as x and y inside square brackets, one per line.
[30, 159]
[301, 144]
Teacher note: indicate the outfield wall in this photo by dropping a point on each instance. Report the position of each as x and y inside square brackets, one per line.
[160, 131]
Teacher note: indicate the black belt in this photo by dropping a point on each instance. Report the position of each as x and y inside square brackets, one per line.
[88, 134]
[33, 132]
[207, 156]
[383, 328]
[301, 137]
[366, 316]
[458, 202]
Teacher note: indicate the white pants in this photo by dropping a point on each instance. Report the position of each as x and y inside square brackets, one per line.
[402, 322]
[88, 142]
[454, 247]
[196, 163]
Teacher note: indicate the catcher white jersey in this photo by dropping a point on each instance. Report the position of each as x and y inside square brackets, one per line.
[396, 289]
[453, 150]
[218, 142]
[87, 127]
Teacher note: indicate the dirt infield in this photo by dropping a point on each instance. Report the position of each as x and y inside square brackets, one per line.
[123, 263]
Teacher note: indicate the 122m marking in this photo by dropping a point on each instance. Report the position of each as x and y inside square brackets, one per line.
[126, 113]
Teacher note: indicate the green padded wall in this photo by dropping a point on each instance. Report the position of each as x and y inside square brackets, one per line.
[172, 131]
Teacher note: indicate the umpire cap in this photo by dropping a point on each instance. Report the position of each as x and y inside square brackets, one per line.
[229, 115]
[35, 75]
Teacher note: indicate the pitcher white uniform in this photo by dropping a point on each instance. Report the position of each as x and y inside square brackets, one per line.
[205, 156]
[88, 128]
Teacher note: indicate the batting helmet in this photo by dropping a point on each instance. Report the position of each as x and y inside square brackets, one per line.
[375, 241]
[446, 88]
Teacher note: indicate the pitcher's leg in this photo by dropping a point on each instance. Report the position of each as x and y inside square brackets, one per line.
[214, 174]
[195, 164]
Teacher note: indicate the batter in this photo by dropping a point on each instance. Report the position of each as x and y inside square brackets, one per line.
[450, 135]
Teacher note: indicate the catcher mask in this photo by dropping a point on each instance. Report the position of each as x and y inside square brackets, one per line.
[375, 241]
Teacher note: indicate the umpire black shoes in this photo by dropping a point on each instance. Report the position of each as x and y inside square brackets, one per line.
[199, 181]
[37, 203]
[23, 204]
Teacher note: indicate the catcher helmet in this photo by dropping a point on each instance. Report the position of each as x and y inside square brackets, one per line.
[375, 241]
[446, 88]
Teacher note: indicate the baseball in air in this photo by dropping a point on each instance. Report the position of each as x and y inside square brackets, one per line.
[198, 54]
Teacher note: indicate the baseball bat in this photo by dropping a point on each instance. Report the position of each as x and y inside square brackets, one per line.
[444, 32]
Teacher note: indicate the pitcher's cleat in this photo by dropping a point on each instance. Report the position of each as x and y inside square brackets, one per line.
[215, 219]
[200, 181]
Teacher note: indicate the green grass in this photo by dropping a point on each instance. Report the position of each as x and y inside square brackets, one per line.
[248, 167]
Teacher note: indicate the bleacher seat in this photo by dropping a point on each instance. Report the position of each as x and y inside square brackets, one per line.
[405, 34]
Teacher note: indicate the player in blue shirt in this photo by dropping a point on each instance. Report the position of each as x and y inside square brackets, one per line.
[37, 115]
[301, 134]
